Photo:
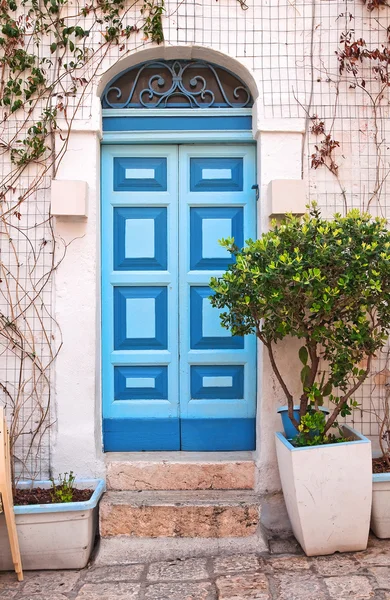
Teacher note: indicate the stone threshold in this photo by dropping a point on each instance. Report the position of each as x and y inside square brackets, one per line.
[185, 497]
[156, 457]
[135, 471]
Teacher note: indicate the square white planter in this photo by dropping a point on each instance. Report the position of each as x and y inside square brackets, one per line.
[380, 516]
[54, 536]
[328, 493]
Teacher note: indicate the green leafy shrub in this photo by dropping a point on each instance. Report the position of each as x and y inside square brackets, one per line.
[311, 430]
[326, 282]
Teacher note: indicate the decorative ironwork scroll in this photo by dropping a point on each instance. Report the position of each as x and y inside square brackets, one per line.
[176, 84]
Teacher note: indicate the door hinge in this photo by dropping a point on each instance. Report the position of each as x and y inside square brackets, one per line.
[256, 187]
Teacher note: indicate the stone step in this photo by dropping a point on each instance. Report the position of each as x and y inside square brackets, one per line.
[124, 550]
[134, 471]
[179, 514]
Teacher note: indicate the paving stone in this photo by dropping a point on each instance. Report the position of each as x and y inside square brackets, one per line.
[116, 573]
[382, 576]
[334, 565]
[251, 586]
[292, 586]
[240, 563]
[50, 582]
[376, 555]
[192, 569]
[42, 596]
[7, 592]
[285, 546]
[109, 591]
[9, 577]
[180, 591]
[358, 576]
[290, 563]
[354, 587]
[9, 585]
[374, 542]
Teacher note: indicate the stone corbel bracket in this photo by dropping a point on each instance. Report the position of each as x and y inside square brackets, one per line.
[69, 199]
[286, 196]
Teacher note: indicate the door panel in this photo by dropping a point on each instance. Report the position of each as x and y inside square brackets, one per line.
[173, 378]
[217, 370]
[139, 308]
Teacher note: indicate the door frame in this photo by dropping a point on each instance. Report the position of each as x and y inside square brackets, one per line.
[135, 127]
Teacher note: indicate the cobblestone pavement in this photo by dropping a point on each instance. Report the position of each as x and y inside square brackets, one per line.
[276, 576]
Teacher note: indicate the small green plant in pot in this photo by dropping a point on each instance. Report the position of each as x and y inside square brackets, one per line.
[326, 282]
[63, 490]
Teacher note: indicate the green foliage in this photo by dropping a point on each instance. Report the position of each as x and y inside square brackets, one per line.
[326, 282]
[303, 355]
[26, 77]
[312, 431]
[153, 11]
[34, 146]
[62, 491]
[53, 7]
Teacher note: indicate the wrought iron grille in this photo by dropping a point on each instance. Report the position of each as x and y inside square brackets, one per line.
[176, 84]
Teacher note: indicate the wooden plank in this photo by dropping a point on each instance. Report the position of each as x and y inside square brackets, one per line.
[6, 495]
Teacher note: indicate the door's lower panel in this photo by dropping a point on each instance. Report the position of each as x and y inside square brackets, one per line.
[126, 435]
[219, 435]
[204, 435]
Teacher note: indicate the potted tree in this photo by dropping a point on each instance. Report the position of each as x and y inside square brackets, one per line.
[326, 282]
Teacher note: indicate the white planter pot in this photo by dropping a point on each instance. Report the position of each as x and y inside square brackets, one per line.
[328, 493]
[380, 516]
[54, 536]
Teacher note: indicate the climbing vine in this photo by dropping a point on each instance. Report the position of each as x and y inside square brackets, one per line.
[363, 68]
[50, 54]
[366, 69]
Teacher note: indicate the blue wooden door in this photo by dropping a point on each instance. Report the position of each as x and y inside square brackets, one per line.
[173, 378]
[140, 298]
[217, 370]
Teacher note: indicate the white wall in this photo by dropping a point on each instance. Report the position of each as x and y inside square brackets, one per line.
[281, 72]
[279, 156]
[77, 440]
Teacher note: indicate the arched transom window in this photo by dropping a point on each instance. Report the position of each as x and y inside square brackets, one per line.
[176, 84]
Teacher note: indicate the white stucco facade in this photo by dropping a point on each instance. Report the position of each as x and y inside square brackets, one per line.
[285, 54]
